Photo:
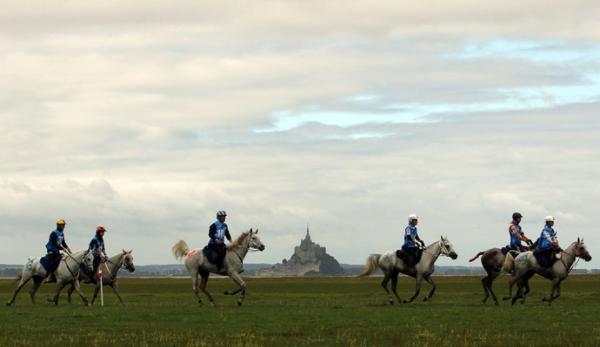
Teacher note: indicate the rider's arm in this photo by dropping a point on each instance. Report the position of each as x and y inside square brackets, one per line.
[419, 239]
[227, 234]
[65, 247]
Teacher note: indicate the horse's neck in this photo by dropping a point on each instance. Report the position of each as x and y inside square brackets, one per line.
[569, 256]
[431, 253]
[242, 249]
[115, 262]
[74, 258]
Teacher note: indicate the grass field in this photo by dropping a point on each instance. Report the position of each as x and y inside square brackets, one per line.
[305, 312]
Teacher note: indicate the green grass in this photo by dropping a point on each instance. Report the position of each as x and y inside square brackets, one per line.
[305, 312]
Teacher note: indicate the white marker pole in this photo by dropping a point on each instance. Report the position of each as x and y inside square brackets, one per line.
[101, 288]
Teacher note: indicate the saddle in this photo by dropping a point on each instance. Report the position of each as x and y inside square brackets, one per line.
[545, 259]
[211, 255]
[50, 262]
[410, 258]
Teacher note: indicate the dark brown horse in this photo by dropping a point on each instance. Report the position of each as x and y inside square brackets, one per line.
[493, 261]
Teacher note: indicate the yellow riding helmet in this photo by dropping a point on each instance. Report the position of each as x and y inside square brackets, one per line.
[60, 222]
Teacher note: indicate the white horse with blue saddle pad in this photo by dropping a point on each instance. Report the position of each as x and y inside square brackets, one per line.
[66, 273]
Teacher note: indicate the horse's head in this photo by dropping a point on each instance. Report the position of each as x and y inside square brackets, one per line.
[254, 241]
[447, 249]
[581, 251]
[128, 261]
[88, 261]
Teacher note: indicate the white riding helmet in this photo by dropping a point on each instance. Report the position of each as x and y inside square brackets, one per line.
[221, 213]
[550, 219]
[412, 217]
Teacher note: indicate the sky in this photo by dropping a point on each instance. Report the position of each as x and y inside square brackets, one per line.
[148, 117]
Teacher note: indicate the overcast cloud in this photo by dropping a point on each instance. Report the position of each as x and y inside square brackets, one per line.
[148, 117]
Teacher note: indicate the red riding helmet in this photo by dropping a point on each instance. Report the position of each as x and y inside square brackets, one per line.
[100, 228]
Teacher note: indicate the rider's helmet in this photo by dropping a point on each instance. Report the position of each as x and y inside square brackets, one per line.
[60, 222]
[100, 228]
[516, 216]
[550, 219]
[412, 217]
[221, 214]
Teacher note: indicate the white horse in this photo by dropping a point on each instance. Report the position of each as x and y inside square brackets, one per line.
[391, 266]
[233, 265]
[110, 269]
[525, 266]
[66, 273]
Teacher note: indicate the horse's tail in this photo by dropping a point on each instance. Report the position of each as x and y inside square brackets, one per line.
[180, 249]
[476, 257]
[371, 266]
[509, 263]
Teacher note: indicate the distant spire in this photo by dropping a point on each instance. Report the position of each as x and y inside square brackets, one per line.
[307, 233]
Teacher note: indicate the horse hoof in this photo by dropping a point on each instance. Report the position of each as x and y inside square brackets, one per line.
[239, 303]
[8, 303]
[226, 292]
[405, 302]
[496, 303]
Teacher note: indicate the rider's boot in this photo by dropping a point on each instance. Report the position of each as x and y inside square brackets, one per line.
[51, 278]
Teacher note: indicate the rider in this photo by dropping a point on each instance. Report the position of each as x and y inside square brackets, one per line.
[56, 243]
[516, 234]
[98, 249]
[548, 244]
[411, 237]
[218, 231]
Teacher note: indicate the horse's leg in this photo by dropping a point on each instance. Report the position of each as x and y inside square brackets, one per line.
[419, 279]
[433, 287]
[37, 282]
[95, 295]
[553, 288]
[557, 292]
[484, 283]
[69, 292]
[195, 287]
[20, 286]
[490, 282]
[519, 293]
[203, 283]
[59, 287]
[115, 288]
[240, 282]
[384, 283]
[511, 284]
[395, 286]
[78, 290]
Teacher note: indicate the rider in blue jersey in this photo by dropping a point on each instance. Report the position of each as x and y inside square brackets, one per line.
[516, 234]
[411, 249]
[98, 249]
[217, 233]
[56, 243]
[548, 244]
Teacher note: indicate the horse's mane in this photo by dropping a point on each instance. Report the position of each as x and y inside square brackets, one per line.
[239, 240]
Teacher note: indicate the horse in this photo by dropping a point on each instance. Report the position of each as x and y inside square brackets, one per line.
[525, 266]
[391, 266]
[233, 265]
[492, 261]
[66, 273]
[110, 269]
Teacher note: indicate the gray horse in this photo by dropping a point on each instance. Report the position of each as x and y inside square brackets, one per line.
[391, 266]
[196, 263]
[525, 266]
[66, 273]
[492, 261]
[110, 270]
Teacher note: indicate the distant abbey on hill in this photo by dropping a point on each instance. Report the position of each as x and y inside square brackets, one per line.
[309, 259]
